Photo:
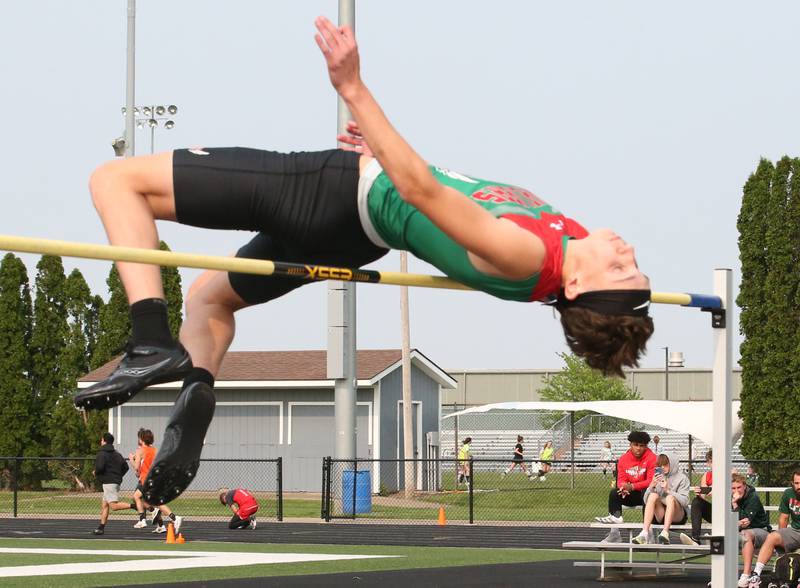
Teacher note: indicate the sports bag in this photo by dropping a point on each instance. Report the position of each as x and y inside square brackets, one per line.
[787, 569]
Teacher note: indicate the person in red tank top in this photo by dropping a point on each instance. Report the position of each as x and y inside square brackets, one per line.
[701, 504]
[141, 462]
[244, 506]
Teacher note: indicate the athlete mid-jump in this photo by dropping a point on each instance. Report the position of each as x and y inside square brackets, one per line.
[344, 207]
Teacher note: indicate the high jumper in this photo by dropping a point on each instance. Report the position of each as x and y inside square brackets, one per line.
[345, 207]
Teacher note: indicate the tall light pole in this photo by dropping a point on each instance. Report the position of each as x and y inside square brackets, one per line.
[666, 373]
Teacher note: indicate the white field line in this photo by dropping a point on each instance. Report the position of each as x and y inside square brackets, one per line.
[170, 560]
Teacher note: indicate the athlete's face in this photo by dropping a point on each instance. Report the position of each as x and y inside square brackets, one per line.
[796, 484]
[611, 264]
[638, 449]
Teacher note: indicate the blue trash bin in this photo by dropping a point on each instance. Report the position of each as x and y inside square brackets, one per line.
[363, 492]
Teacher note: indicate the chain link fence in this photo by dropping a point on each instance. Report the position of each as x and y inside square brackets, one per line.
[66, 488]
[488, 491]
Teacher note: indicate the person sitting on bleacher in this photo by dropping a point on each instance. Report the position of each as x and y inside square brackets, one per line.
[701, 504]
[666, 499]
[754, 525]
[635, 470]
[787, 537]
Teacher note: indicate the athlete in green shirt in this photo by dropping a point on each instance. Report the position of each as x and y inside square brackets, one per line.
[341, 208]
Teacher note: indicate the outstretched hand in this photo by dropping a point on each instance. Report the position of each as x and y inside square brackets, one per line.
[338, 46]
[353, 140]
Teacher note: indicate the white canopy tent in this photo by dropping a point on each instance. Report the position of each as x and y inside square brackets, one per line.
[691, 417]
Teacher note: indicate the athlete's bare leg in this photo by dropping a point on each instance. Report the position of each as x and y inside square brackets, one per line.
[209, 327]
[129, 195]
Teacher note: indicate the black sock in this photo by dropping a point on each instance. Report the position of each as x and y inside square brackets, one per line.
[101, 526]
[141, 516]
[172, 516]
[198, 375]
[149, 321]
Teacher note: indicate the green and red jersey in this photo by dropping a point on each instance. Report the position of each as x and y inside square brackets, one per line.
[401, 226]
[790, 505]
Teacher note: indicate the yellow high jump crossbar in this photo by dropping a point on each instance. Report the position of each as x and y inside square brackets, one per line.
[308, 272]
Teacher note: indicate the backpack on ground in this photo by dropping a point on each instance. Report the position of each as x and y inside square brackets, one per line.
[787, 569]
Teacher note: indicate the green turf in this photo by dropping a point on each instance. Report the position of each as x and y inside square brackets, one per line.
[410, 558]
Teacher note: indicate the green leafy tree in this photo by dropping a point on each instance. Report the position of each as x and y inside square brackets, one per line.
[577, 382]
[16, 417]
[769, 298]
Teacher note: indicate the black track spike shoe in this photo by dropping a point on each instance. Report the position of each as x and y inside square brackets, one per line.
[141, 366]
[178, 458]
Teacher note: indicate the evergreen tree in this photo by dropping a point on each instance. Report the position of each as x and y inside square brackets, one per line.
[50, 375]
[171, 278]
[769, 295]
[16, 417]
[68, 433]
[114, 322]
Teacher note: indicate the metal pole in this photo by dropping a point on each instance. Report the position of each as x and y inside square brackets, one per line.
[471, 486]
[408, 402]
[666, 373]
[572, 445]
[455, 450]
[342, 321]
[130, 91]
[280, 488]
[724, 520]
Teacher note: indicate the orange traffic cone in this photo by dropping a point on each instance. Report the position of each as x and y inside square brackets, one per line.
[170, 533]
[180, 539]
[442, 518]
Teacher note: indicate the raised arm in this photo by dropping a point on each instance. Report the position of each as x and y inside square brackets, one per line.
[502, 245]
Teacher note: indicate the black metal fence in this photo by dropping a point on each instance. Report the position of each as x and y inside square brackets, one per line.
[497, 492]
[65, 487]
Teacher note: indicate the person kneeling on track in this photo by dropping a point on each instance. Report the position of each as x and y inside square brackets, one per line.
[244, 506]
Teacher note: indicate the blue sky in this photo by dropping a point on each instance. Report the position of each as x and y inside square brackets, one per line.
[644, 117]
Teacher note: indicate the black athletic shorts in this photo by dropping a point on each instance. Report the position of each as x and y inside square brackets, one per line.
[302, 205]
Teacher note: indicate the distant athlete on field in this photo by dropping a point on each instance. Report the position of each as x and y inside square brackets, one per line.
[244, 506]
[517, 460]
[141, 462]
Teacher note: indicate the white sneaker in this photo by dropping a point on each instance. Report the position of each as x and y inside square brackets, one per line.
[641, 538]
[613, 537]
[252, 524]
[160, 529]
[686, 540]
[609, 520]
[177, 522]
[542, 478]
[663, 538]
[140, 524]
[744, 581]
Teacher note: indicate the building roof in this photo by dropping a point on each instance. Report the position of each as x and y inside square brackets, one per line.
[300, 366]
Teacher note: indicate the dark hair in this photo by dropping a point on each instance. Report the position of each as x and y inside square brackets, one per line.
[709, 454]
[222, 493]
[108, 438]
[467, 439]
[519, 437]
[146, 435]
[639, 437]
[737, 477]
[795, 473]
[606, 342]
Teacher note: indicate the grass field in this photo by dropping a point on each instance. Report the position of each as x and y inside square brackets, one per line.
[409, 558]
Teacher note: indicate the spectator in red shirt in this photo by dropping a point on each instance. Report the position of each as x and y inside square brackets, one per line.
[244, 506]
[635, 470]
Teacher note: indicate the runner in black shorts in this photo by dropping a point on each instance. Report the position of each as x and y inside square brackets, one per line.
[304, 207]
